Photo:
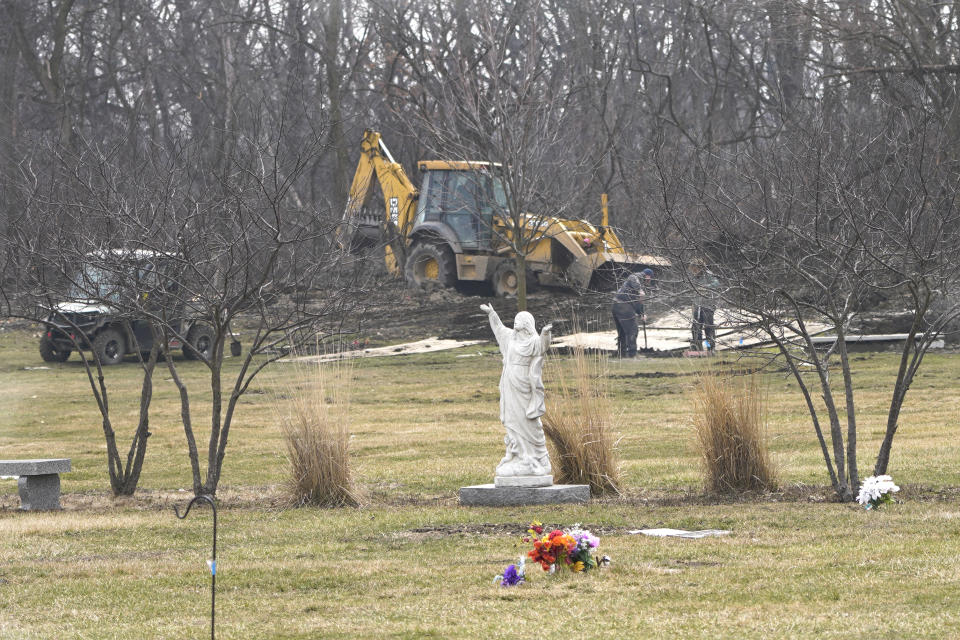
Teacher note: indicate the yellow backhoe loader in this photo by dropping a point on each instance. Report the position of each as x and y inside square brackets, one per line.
[456, 227]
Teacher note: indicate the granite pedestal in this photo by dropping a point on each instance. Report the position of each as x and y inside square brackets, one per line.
[38, 483]
[490, 495]
[522, 481]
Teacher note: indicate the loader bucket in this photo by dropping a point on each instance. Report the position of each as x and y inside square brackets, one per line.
[611, 274]
[359, 235]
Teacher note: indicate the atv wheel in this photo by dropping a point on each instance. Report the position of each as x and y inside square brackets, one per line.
[110, 346]
[51, 353]
[431, 264]
[506, 281]
[199, 344]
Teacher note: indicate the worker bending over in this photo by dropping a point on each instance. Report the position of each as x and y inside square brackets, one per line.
[627, 307]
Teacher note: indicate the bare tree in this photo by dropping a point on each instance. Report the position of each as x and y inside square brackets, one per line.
[810, 231]
[191, 252]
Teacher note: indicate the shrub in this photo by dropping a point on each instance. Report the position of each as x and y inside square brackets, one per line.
[579, 426]
[316, 432]
[731, 434]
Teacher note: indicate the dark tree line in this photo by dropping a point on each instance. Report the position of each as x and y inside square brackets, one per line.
[712, 75]
[625, 76]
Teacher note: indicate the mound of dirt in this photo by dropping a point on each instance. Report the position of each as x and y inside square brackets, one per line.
[396, 313]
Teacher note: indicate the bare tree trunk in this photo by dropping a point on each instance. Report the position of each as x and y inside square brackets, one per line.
[333, 26]
[124, 478]
[909, 361]
[852, 472]
[218, 430]
[836, 433]
[185, 418]
[811, 408]
[49, 72]
[9, 63]
[138, 446]
[521, 263]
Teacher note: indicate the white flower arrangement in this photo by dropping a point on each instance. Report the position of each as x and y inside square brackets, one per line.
[876, 490]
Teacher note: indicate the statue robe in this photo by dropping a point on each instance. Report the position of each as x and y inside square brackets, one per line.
[522, 397]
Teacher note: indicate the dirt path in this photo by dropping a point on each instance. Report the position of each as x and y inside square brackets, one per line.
[396, 314]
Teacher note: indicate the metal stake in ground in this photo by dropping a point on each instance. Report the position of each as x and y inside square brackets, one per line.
[213, 558]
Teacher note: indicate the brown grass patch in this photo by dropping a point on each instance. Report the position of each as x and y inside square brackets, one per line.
[731, 434]
[316, 431]
[579, 425]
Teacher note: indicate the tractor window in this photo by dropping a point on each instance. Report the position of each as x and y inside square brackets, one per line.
[463, 200]
[461, 193]
[500, 195]
[429, 206]
[460, 204]
[469, 206]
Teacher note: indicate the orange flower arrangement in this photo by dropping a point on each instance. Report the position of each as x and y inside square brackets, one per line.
[571, 549]
[554, 547]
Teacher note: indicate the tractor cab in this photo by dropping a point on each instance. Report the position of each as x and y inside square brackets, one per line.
[466, 197]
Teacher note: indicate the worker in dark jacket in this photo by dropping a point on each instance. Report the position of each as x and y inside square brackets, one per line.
[627, 307]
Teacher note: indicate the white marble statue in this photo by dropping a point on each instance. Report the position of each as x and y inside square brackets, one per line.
[526, 462]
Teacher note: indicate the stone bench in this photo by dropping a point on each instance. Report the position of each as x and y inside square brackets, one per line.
[39, 481]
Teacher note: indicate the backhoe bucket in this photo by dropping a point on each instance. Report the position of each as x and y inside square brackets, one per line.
[613, 269]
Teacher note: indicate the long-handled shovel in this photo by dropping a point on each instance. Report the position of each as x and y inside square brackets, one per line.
[645, 349]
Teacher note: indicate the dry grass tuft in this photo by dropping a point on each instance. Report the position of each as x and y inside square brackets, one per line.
[579, 427]
[731, 435]
[316, 431]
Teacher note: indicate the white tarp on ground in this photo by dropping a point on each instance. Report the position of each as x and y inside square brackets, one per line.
[671, 332]
[680, 533]
[421, 346]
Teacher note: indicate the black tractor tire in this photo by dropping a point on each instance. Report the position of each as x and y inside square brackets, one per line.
[431, 264]
[51, 353]
[505, 281]
[199, 345]
[110, 346]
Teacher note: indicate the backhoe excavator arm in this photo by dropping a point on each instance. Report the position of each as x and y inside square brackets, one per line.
[399, 194]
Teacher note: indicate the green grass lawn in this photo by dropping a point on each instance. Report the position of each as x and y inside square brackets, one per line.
[412, 563]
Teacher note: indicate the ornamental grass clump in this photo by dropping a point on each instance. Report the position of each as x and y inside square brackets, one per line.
[315, 424]
[731, 434]
[579, 426]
